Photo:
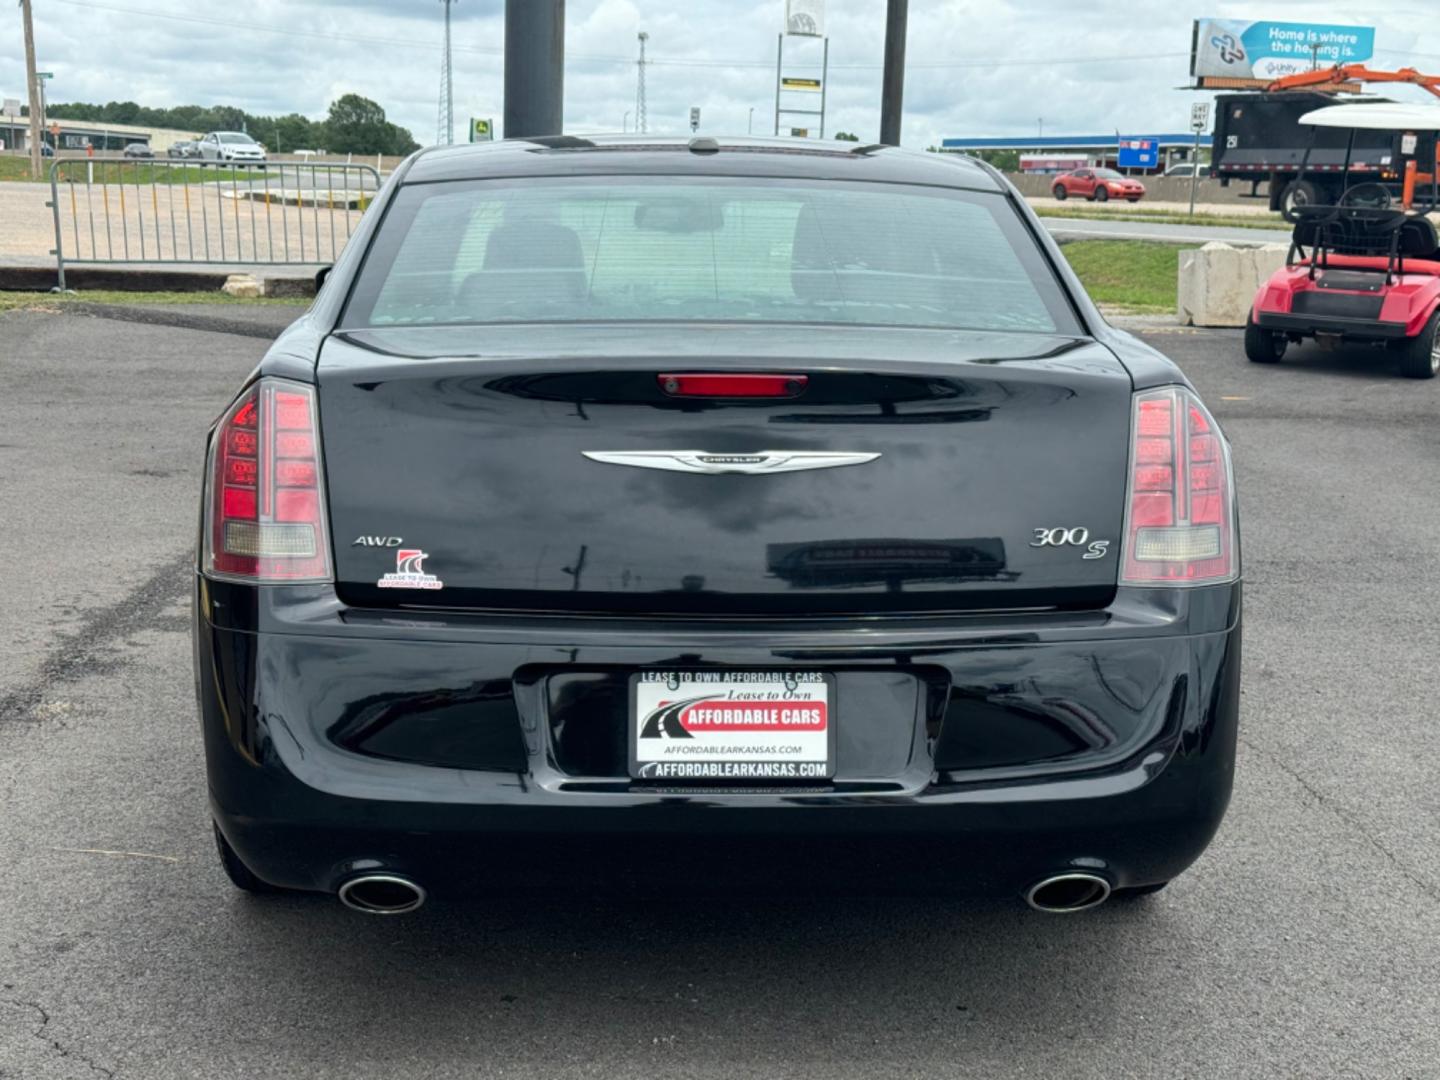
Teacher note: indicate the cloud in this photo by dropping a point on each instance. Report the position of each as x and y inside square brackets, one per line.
[977, 67]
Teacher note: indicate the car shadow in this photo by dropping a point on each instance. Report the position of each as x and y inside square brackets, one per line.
[747, 979]
[1345, 361]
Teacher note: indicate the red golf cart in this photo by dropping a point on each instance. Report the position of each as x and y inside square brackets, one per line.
[1367, 268]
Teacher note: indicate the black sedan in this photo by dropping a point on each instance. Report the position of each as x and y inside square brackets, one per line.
[633, 508]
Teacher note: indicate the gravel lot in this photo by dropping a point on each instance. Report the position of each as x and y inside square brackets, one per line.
[1306, 942]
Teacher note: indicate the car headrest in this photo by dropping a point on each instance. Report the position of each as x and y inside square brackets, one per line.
[533, 245]
[527, 265]
[1418, 238]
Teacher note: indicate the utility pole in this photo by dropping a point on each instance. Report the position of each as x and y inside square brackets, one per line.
[534, 68]
[640, 124]
[32, 85]
[892, 87]
[445, 120]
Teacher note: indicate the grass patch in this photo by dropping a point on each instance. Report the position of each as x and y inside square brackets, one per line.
[1166, 217]
[32, 301]
[1136, 276]
[143, 172]
[17, 167]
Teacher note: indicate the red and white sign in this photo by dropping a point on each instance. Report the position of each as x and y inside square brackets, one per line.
[729, 725]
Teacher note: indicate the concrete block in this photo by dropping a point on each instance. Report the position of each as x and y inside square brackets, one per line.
[242, 285]
[1217, 282]
[289, 286]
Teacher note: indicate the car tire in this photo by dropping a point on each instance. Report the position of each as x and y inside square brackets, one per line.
[1137, 892]
[240, 875]
[1262, 346]
[1059, 192]
[1297, 193]
[1134, 200]
[1420, 355]
[1102, 195]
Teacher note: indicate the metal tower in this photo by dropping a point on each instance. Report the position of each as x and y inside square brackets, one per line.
[640, 86]
[445, 120]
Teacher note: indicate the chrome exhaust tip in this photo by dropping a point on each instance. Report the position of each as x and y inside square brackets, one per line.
[381, 894]
[1065, 893]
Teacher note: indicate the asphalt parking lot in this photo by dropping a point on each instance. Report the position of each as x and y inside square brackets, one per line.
[1305, 943]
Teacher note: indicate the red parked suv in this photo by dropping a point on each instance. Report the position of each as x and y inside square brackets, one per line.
[1097, 185]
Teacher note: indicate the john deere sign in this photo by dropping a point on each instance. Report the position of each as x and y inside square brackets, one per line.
[481, 130]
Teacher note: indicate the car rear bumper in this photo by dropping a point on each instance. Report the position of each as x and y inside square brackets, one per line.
[1356, 329]
[979, 754]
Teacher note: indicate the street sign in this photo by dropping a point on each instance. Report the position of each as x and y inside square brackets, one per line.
[800, 84]
[1138, 152]
[481, 130]
[55, 130]
[694, 117]
[1199, 121]
[800, 133]
[44, 74]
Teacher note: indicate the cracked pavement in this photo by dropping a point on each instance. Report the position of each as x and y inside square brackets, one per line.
[1305, 942]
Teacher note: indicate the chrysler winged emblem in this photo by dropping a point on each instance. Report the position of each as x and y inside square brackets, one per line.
[705, 461]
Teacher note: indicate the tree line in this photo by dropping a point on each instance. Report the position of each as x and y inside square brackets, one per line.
[354, 125]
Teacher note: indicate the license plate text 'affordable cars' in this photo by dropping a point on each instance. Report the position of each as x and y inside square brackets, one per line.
[731, 725]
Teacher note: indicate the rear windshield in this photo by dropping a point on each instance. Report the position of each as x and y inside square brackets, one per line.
[717, 249]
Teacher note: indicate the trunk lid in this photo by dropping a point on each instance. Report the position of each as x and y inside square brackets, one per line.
[470, 445]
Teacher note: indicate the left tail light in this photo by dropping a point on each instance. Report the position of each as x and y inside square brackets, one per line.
[265, 518]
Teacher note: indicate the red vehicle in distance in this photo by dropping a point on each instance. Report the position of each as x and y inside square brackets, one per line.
[1097, 185]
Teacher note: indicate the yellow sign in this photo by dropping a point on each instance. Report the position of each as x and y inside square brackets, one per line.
[481, 130]
[800, 84]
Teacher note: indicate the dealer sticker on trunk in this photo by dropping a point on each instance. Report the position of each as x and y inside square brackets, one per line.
[731, 725]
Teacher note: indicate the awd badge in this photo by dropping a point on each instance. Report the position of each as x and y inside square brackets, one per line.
[409, 572]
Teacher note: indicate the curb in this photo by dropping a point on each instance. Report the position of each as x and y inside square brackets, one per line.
[128, 279]
[181, 320]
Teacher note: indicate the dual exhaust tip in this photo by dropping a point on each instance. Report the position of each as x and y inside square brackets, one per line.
[1064, 893]
[382, 894]
[391, 894]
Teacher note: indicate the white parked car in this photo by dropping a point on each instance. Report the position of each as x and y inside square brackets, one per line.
[230, 146]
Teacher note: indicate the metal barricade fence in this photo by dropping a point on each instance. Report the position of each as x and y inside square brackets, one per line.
[188, 212]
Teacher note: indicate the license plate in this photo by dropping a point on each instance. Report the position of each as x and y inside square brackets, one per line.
[704, 726]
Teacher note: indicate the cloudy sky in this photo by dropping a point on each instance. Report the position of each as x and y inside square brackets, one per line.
[976, 67]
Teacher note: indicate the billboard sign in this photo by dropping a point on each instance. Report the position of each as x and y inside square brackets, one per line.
[1139, 152]
[481, 130]
[1230, 48]
[805, 17]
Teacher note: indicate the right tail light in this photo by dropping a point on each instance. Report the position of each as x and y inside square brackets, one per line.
[1180, 500]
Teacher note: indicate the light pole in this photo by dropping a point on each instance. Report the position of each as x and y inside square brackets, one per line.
[625, 122]
[1041, 122]
[750, 124]
[32, 89]
[892, 78]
